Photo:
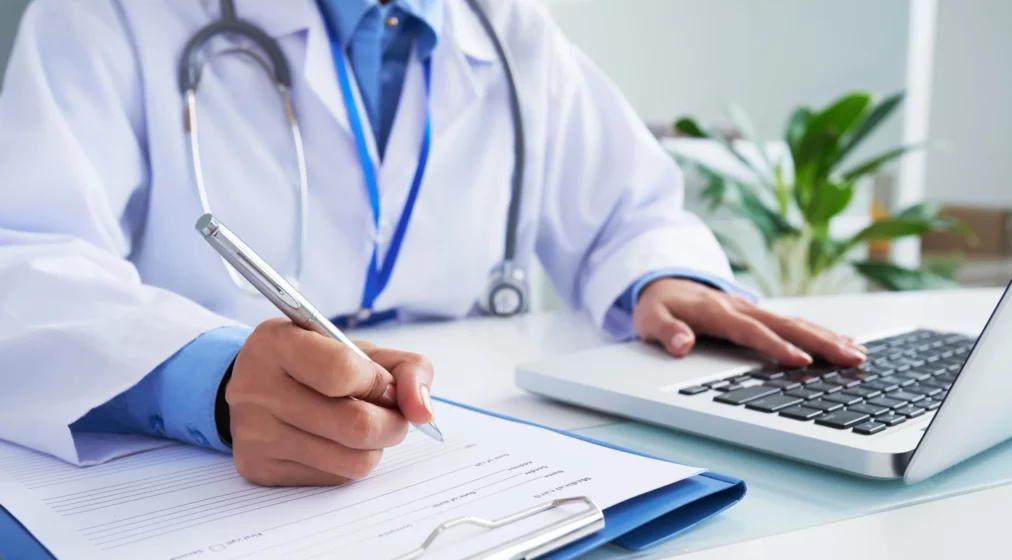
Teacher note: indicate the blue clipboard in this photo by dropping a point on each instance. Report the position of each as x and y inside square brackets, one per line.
[649, 519]
[636, 524]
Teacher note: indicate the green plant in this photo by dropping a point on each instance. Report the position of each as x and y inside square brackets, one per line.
[793, 216]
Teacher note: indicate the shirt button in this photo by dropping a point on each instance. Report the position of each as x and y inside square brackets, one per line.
[157, 424]
[392, 21]
[198, 437]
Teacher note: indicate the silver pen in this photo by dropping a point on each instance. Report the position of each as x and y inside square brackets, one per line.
[275, 288]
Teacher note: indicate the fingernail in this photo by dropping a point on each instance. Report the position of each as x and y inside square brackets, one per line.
[679, 341]
[801, 354]
[426, 399]
[389, 396]
[853, 351]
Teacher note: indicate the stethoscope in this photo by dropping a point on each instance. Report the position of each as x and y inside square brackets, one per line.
[506, 293]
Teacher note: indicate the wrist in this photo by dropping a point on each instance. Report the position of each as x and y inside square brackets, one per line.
[222, 415]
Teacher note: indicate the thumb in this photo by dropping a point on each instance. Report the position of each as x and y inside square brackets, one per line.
[657, 324]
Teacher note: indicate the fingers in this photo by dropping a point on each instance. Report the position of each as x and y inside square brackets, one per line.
[746, 331]
[356, 424]
[262, 450]
[330, 367]
[658, 324]
[412, 375]
[279, 472]
[817, 340]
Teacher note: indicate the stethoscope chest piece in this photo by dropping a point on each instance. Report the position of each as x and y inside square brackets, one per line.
[507, 292]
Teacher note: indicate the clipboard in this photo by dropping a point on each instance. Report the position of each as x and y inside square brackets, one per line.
[636, 524]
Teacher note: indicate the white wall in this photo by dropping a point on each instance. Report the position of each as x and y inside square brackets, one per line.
[972, 104]
[673, 57]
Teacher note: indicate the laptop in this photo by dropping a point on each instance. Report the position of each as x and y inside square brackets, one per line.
[923, 401]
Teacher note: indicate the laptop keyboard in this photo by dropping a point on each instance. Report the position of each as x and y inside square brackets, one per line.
[904, 377]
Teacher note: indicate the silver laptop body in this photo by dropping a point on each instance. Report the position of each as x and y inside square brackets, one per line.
[639, 381]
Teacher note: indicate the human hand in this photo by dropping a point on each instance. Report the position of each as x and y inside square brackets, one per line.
[292, 421]
[672, 311]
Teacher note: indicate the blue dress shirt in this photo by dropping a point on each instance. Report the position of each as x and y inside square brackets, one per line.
[378, 41]
[177, 399]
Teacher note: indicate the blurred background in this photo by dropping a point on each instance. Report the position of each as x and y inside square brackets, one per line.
[874, 75]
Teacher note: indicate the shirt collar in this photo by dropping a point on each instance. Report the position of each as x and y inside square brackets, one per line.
[344, 16]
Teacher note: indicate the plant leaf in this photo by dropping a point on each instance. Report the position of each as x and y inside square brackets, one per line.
[691, 128]
[843, 115]
[828, 200]
[796, 128]
[688, 127]
[823, 254]
[873, 164]
[876, 117]
[739, 268]
[771, 225]
[896, 278]
[744, 124]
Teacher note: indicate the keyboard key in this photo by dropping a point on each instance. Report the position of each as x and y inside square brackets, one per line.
[904, 395]
[804, 393]
[911, 411]
[731, 387]
[742, 396]
[881, 385]
[915, 375]
[804, 378]
[740, 378]
[842, 399]
[860, 373]
[901, 381]
[768, 373]
[932, 370]
[941, 396]
[868, 428]
[891, 419]
[930, 405]
[881, 370]
[823, 405]
[866, 408]
[823, 387]
[936, 382]
[887, 402]
[800, 413]
[863, 392]
[693, 390]
[926, 390]
[843, 381]
[773, 403]
[840, 419]
[718, 383]
[783, 383]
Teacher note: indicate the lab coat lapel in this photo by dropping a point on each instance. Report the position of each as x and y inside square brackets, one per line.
[316, 63]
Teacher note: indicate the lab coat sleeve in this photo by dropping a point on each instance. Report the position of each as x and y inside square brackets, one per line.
[177, 400]
[78, 326]
[627, 301]
[613, 210]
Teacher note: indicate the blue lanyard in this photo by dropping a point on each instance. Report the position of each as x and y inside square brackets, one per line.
[377, 277]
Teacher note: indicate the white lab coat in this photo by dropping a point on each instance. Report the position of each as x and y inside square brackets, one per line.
[102, 275]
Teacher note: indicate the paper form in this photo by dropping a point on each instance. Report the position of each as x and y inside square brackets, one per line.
[184, 502]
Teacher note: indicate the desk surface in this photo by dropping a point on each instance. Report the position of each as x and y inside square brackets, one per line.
[475, 361]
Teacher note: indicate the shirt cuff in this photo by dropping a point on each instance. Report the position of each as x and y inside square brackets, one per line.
[177, 399]
[627, 301]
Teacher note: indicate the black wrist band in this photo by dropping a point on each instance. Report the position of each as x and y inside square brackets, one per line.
[222, 418]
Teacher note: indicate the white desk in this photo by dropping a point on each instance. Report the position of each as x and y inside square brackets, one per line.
[474, 362]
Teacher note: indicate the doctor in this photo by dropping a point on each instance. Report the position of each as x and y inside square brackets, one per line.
[122, 122]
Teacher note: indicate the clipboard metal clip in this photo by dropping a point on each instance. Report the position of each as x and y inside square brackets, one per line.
[547, 539]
